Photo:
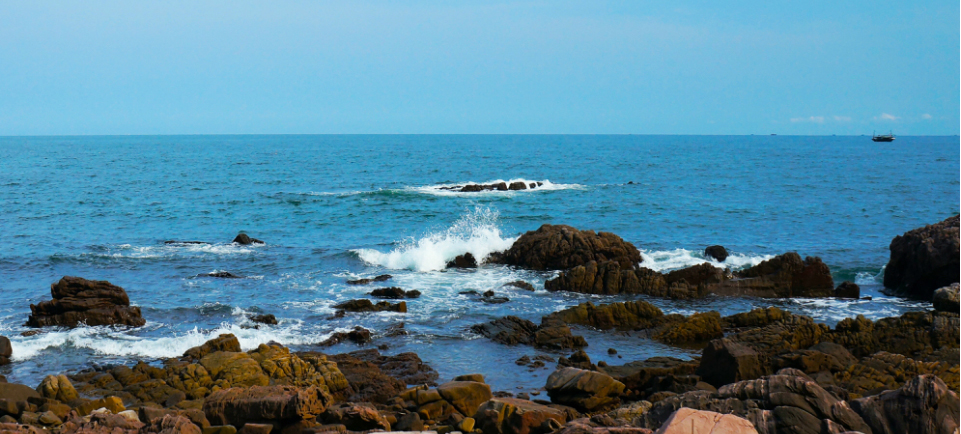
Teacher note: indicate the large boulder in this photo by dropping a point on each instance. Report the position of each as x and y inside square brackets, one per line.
[923, 405]
[465, 396]
[367, 382]
[516, 416]
[78, 301]
[265, 404]
[718, 253]
[923, 260]
[559, 247]
[688, 420]
[57, 387]
[945, 299]
[406, 367]
[777, 404]
[726, 361]
[225, 342]
[584, 390]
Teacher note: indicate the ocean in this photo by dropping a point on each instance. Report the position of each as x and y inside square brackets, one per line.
[334, 208]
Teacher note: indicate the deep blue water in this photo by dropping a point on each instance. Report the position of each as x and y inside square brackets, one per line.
[333, 208]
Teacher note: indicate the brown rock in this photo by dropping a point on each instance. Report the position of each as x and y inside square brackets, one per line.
[945, 299]
[465, 396]
[717, 252]
[515, 416]
[258, 404]
[629, 315]
[848, 290]
[725, 361]
[924, 259]
[80, 301]
[363, 305]
[367, 382]
[689, 420]
[698, 327]
[172, 424]
[225, 342]
[561, 247]
[466, 260]
[584, 390]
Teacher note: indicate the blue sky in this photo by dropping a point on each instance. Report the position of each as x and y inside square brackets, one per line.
[678, 67]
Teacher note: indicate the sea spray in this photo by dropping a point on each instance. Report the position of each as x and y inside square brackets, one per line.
[476, 232]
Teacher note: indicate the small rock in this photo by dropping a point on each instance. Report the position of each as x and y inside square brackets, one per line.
[381, 278]
[946, 299]
[520, 284]
[611, 351]
[848, 290]
[466, 260]
[269, 319]
[245, 240]
[221, 275]
[716, 252]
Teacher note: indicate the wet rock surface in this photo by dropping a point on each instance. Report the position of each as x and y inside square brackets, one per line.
[79, 301]
[924, 259]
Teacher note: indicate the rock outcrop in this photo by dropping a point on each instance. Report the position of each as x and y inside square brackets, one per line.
[257, 404]
[719, 253]
[467, 260]
[78, 301]
[924, 259]
[559, 247]
[394, 293]
[6, 350]
[245, 240]
[511, 330]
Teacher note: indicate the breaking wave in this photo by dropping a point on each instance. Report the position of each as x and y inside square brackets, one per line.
[669, 260]
[476, 233]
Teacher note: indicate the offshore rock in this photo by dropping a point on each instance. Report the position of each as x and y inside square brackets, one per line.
[79, 301]
[923, 405]
[364, 305]
[380, 278]
[586, 391]
[717, 252]
[610, 277]
[394, 293]
[358, 335]
[848, 290]
[924, 259]
[945, 299]
[245, 240]
[782, 276]
[466, 260]
[559, 247]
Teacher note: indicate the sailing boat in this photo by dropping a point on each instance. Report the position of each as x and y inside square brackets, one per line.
[889, 137]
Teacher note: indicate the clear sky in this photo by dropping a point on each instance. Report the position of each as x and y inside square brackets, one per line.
[672, 67]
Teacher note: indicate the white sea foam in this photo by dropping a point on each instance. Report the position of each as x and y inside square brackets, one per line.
[107, 341]
[546, 185]
[668, 260]
[476, 232]
[173, 250]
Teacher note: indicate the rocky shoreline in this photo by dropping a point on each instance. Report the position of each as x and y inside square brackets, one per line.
[763, 371]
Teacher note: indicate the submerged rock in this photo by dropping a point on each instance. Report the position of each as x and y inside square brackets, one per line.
[364, 305]
[924, 259]
[559, 247]
[79, 301]
[394, 293]
[520, 284]
[380, 278]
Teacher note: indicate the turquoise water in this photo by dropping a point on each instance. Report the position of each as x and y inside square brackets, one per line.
[333, 208]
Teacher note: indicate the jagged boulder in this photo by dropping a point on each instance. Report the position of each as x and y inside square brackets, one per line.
[265, 404]
[559, 247]
[924, 259]
[586, 391]
[79, 301]
[923, 405]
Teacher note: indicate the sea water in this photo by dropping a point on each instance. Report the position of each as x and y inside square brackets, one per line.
[334, 208]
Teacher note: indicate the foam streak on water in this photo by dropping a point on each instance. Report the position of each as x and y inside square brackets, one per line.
[476, 233]
[676, 259]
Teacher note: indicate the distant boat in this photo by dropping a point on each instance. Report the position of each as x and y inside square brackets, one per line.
[889, 137]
